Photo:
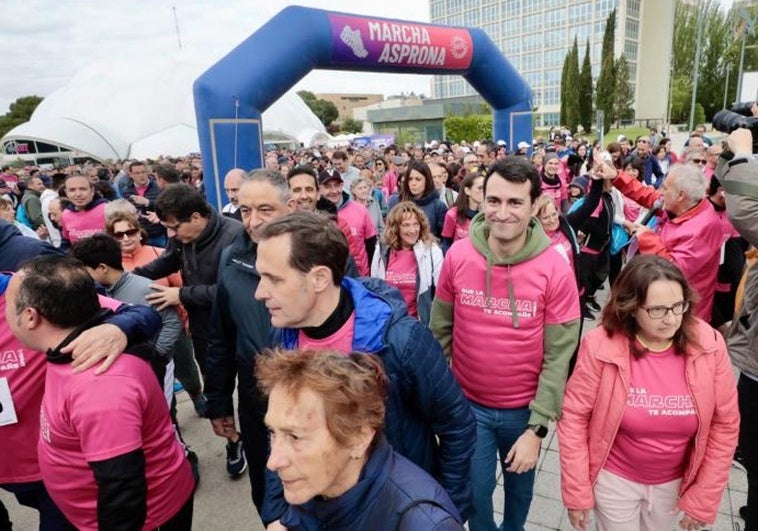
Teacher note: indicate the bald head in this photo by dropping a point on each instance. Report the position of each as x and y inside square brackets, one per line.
[232, 183]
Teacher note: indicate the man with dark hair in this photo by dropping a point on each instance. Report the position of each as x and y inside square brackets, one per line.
[197, 235]
[166, 174]
[109, 435]
[303, 184]
[101, 255]
[349, 173]
[84, 214]
[142, 191]
[653, 173]
[240, 328]
[301, 261]
[506, 300]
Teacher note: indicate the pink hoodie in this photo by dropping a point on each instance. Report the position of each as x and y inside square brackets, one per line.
[594, 404]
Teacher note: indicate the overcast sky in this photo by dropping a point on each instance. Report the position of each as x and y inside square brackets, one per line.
[46, 42]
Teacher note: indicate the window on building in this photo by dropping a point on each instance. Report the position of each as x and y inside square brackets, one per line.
[471, 18]
[633, 8]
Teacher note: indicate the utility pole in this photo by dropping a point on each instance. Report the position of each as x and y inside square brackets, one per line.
[176, 25]
[696, 70]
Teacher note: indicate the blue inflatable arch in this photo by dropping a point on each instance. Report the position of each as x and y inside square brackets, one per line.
[231, 95]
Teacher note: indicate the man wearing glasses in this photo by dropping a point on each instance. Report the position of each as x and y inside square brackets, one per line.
[197, 235]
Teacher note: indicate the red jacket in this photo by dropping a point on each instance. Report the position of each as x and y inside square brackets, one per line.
[595, 401]
[691, 241]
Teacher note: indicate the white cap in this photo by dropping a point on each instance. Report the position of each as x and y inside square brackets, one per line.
[620, 138]
[501, 143]
[523, 145]
[476, 144]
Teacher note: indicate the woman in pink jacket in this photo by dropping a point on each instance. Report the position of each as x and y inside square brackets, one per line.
[650, 417]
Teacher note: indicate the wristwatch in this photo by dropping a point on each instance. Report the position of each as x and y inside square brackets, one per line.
[539, 430]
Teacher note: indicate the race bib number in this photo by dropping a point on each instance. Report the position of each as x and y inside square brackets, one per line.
[7, 410]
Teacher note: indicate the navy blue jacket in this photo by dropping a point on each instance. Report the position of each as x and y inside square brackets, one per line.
[433, 207]
[391, 494]
[151, 194]
[425, 402]
[240, 327]
[16, 248]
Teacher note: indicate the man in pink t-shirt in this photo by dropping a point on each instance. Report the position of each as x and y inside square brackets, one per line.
[507, 311]
[86, 214]
[107, 451]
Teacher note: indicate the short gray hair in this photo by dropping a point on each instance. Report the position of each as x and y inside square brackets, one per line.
[689, 179]
[272, 177]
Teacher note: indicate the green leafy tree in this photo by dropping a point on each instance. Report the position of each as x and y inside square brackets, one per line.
[349, 125]
[469, 128]
[699, 114]
[326, 111]
[20, 112]
[573, 95]
[585, 91]
[606, 81]
[624, 98]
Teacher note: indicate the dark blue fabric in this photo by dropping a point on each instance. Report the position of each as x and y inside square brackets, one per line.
[425, 401]
[15, 248]
[385, 495]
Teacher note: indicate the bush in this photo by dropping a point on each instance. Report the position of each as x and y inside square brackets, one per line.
[469, 128]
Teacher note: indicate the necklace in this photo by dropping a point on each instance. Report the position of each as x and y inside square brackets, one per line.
[651, 349]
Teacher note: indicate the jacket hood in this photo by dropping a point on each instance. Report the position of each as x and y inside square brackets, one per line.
[7, 231]
[536, 242]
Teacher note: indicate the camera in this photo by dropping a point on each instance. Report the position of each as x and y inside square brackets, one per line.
[740, 116]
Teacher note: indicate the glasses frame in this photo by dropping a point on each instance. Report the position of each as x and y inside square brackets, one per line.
[653, 310]
[130, 233]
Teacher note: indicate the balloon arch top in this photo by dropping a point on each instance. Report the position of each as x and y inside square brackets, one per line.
[231, 95]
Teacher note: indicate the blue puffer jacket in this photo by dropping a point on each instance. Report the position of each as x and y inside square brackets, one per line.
[425, 401]
[391, 494]
[16, 248]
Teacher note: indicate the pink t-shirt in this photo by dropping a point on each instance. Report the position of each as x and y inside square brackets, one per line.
[562, 245]
[557, 192]
[497, 364]
[358, 219]
[401, 273]
[24, 372]
[340, 341]
[451, 228]
[82, 223]
[659, 421]
[87, 418]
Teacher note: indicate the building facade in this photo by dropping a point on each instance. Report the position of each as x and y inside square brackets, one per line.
[535, 36]
[346, 103]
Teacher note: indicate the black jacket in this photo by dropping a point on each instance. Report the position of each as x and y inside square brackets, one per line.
[240, 327]
[151, 194]
[198, 262]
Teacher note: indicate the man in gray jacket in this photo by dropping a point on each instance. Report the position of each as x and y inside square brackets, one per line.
[739, 176]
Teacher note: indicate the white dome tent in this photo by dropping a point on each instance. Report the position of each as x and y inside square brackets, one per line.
[141, 109]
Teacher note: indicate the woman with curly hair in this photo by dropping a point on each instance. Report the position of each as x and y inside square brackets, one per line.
[409, 258]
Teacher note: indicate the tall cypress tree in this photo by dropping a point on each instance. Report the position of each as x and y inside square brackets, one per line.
[606, 81]
[564, 86]
[585, 91]
[572, 90]
[624, 97]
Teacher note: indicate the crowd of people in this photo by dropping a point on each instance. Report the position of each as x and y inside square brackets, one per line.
[395, 323]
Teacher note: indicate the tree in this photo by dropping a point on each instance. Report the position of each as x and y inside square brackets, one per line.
[573, 113]
[469, 128]
[624, 96]
[326, 111]
[585, 91]
[606, 81]
[349, 125]
[564, 88]
[20, 112]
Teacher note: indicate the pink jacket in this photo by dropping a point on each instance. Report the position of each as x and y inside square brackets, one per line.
[595, 401]
[692, 241]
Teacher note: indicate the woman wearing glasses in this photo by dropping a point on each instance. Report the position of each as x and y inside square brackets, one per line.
[650, 419]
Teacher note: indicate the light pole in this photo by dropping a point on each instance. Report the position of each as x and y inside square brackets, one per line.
[696, 70]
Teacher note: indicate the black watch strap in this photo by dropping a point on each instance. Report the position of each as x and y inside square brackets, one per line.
[539, 430]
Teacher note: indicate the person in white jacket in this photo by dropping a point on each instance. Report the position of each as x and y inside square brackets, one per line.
[409, 258]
